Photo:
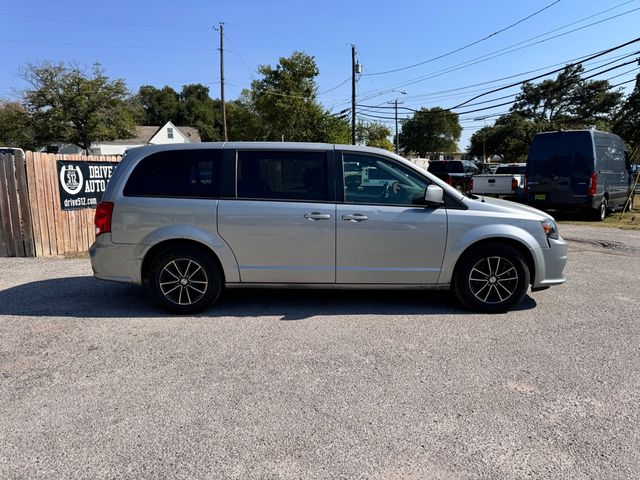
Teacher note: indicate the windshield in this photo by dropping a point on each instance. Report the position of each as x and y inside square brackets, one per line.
[562, 153]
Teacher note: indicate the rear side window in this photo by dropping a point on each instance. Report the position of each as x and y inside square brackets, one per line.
[511, 169]
[176, 173]
[445, 167]
[610, 155]
[283, 175]
[567, 153]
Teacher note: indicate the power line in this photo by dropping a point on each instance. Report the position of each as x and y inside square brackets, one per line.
[95, 22]
[437, 96]
[240, 57]
[97, 45]
[492, 56]
[282, 33]
[374, 107]
[624, 73]
[617, 47]
[565, 62]
[506, 50]
[497, 32]
[624, 83]
[336, 87]
[491, 107]
[583, 78]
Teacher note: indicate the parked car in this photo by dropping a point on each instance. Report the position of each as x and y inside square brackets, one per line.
[457, 173]
[188, 220]
[506, 182]
[578, 170]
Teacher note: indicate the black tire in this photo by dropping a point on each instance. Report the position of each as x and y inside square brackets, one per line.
[600, 213]
[184, 280]
[491, 278]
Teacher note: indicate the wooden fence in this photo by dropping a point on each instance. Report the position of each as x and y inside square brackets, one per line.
[33, 222]
[16, 232]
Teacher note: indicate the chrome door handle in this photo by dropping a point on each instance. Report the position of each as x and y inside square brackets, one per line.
[317, 216]
[356, 217]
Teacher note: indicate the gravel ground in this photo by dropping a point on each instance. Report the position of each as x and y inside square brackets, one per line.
[96, 383]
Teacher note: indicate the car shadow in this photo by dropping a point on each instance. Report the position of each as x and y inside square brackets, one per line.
[82, 297]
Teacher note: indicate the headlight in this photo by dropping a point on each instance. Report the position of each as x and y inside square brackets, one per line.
[550, 229]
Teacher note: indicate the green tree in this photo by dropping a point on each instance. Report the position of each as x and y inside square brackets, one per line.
[159, 106]
[285, 101]
[627, 121]
[70, 106]
[243, 123]
[16, 129]
[335, 129]
[568, 101]
[373, 134]
[431, 130]
[509, 138]
[199, 110]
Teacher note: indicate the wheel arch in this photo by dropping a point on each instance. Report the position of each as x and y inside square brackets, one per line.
[170, 244]
[518, 246]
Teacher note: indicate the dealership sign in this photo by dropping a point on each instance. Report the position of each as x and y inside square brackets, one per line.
[82, 183]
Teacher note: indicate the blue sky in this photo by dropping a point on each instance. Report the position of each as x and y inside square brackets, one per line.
[173, 43]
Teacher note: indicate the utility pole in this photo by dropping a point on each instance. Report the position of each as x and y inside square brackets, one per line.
[484, 137]
[224, 108]
[353, 94]
[395, 102]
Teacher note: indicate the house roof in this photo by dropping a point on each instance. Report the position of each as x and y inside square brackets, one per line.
[144, 133]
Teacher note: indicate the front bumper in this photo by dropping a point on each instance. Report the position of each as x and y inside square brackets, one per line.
[115, 261]
[551, 264]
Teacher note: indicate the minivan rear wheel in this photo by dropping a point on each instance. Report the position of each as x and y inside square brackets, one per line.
[491, 278]
[184, 280]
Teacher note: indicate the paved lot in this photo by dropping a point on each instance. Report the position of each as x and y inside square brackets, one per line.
[95, 383]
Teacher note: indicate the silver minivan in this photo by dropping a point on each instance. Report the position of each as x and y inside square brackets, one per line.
[189, 220]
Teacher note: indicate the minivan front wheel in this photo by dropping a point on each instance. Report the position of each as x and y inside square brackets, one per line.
[491, 278]
[184, 280]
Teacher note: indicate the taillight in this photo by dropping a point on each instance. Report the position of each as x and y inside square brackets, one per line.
[449, 180]
[102, 219]
[593, 183]
[470, 185]
[514, 184]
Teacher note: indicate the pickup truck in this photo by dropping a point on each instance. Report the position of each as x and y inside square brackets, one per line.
[507, 181]
[457, 173]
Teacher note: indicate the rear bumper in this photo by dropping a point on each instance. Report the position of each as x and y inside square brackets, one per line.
[576, 205]
[114, 261]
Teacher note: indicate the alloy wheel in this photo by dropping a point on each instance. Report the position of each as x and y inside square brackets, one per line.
[183, 281]
[493, 280]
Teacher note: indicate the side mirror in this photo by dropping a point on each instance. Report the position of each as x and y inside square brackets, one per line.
[434, 196]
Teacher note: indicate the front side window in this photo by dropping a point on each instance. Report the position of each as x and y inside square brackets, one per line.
[176, 173]
[376, 180]
[283, 175]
